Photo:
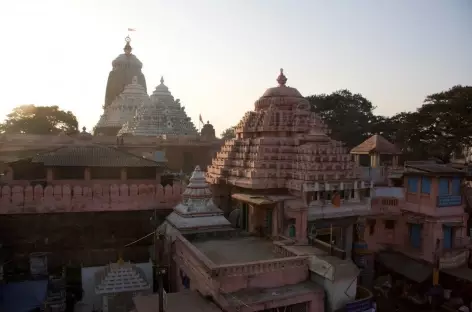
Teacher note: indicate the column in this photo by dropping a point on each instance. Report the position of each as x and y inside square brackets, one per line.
[105, 303]
[87, 175]
[348, 240]
[123, 174]
[158, 176]
[49, 174]
[395, 161]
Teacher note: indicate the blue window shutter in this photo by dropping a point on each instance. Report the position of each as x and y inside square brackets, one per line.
[415, 235]
[426, 185]
[447, 237]
[443, 186]
[412, 184]
[456, 186]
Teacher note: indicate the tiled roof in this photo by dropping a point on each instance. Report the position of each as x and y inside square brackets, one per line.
[92, 156]
[376, 143]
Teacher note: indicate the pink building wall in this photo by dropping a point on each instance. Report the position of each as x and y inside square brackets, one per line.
[421, 209]
[215, 280]
[65, 198]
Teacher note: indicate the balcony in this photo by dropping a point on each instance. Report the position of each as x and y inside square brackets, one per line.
[448, 201]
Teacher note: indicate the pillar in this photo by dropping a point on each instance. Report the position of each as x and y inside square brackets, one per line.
[158, 176]
[348, 240]
[49, 174]
[395, 161]
[105, 303]
[374, 160]
[123, 174]
[87, 175]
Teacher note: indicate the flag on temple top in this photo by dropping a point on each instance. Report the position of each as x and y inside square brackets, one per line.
[201, 119]
[131, 29]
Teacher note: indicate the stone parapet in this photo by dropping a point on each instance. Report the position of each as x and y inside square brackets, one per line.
[185, 249]
[65, 198]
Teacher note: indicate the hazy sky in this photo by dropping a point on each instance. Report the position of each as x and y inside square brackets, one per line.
[219, 56]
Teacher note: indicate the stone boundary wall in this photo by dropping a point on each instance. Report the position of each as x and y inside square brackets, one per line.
[66, 198]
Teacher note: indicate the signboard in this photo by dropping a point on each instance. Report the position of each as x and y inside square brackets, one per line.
[359, 305]
[449, 201]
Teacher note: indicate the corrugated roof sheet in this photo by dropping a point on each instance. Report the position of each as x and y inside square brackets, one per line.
[92, 156]
[432, 167]
[378, 144]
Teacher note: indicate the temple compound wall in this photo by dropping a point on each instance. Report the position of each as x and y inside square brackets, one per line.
[64, 198]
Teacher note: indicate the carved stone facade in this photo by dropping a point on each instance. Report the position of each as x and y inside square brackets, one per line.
[282, 148]
[163, 116]
[123, 108]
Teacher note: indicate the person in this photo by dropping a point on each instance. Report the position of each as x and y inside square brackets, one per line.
[464, 308]
[374, 307]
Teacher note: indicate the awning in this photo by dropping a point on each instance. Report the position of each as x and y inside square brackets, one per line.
[403, 265]
[253, 199]
[463, 273]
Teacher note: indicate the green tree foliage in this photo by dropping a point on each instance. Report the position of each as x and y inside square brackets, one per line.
[440, 127]
[349, 116]
[228, 134]
[33, 119]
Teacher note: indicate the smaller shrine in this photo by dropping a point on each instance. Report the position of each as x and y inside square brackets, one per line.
[118, 283]
[123, 108]
[164, 116]
[197, 212]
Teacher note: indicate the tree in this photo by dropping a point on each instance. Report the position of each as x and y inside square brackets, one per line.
[39, 120]
[349, 116]
[228, 134]
[439, 128]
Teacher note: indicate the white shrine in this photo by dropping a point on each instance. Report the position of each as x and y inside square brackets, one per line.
[197, 212]
[118, 283]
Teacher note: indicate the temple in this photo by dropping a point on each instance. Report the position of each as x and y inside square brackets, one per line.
[125, 67]
[163, 115]
[284, 172]
[123, 108]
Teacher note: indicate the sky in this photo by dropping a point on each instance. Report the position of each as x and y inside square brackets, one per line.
[219, 56]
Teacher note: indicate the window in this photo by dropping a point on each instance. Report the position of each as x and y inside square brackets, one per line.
[443, 186]
[415, 235]
[456, 186]
[426, 185]
[412, 184]
[447, 237]
[389, 224]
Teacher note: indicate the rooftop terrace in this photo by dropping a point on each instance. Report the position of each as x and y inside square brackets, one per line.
[237, 249]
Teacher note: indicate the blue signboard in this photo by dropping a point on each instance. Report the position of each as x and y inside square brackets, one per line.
[449, 200]
[359, 305]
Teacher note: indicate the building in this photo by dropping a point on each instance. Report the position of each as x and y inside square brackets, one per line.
[234, 269]
[155, 127]
[286, 176]
[421, 223]
[124, 68]
[81, 204]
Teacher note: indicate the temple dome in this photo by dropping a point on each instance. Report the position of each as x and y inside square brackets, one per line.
[162, 116]
[125, 67]
[123, 108]
[280, 95]
[208, 131]
[161, 91]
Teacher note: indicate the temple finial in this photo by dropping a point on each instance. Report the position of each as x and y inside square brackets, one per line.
[162, 79]
[282, 80]
[127, 47]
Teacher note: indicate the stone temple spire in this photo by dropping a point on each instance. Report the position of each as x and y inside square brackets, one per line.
[124, 68]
